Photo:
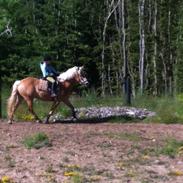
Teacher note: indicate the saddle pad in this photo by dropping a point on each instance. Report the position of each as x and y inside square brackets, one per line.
[43, 85]
[51, 79]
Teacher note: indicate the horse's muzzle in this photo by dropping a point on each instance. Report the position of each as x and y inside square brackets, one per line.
[84, 82]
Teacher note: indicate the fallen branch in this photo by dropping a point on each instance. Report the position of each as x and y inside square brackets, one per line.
[107, 112]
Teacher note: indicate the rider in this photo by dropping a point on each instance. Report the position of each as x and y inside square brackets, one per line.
[50, 74]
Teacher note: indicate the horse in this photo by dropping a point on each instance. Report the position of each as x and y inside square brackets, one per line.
[28, 89]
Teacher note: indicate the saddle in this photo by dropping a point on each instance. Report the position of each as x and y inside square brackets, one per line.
[43, 85]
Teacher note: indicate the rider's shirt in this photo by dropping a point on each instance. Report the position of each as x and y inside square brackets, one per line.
[48, 70]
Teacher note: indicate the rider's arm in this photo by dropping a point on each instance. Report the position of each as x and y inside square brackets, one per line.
[43, 68]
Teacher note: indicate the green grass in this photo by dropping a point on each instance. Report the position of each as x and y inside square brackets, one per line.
[171, 147]
[168, 109]
[36, 141]
[4, 96]
[124, 136]
[77, 179]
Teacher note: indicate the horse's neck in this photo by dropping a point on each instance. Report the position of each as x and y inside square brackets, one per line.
[67, 85]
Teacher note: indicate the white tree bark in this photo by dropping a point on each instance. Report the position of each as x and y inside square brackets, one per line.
[111, 9]
[155, 49]
[141, 44]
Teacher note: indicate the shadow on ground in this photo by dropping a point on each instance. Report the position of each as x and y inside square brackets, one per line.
[98, 120]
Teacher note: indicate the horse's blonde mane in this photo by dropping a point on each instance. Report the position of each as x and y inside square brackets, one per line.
[69, 74]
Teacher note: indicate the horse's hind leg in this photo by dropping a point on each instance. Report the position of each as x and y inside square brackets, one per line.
[53, 107]
[14, 108]
[30, 106]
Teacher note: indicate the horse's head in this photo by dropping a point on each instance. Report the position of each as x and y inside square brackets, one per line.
[76, 73]
[81, 76]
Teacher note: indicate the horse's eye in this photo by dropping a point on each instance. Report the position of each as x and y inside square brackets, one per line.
[83, 73]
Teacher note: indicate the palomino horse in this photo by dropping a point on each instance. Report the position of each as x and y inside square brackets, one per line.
[28, 89]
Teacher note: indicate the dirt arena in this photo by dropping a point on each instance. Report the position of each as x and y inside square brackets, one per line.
[91, 152]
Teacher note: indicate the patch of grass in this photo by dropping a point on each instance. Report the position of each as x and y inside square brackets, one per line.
[168, 109]
[5, 93]
[73, 171]
[40, 107]
[37, 141]
[171, 147]
[77, 179]
[124, 136]
[6, 179]
[151, 151]
[65, 112]
[93, 99]
[176, 173]
[130, 174]
[72, 168]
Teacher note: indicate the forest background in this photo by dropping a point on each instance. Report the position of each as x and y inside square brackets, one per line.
[113, 39]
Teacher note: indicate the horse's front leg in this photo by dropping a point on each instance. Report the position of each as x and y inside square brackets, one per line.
[53, 107]
[68, 103]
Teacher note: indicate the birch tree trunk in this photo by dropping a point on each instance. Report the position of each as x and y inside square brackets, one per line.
[125, 61]
[126, 75]
[141, 44]
[155, 85]
[111, 8]
[170, 65]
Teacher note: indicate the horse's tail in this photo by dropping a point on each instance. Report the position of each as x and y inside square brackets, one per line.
[13, 99]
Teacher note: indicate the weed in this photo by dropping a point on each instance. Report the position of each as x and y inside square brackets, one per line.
[176, 173]
[171, 147]
[37, 141]
[6, 179]
[105, 145]
[71, 168]
[65, 112]
[124, 136]
[49, 169]
[77, 179]
[130, 173]
[10, 161]
[168, 109]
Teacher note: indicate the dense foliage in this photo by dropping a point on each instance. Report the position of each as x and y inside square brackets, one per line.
[103, 35]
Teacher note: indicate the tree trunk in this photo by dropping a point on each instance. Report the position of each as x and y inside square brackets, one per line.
[155, 85]
[141, 44]
[111, 8]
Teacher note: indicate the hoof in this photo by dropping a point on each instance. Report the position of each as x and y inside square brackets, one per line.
[10, 122]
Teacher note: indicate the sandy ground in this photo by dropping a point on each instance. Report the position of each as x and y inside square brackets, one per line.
[97, 152]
